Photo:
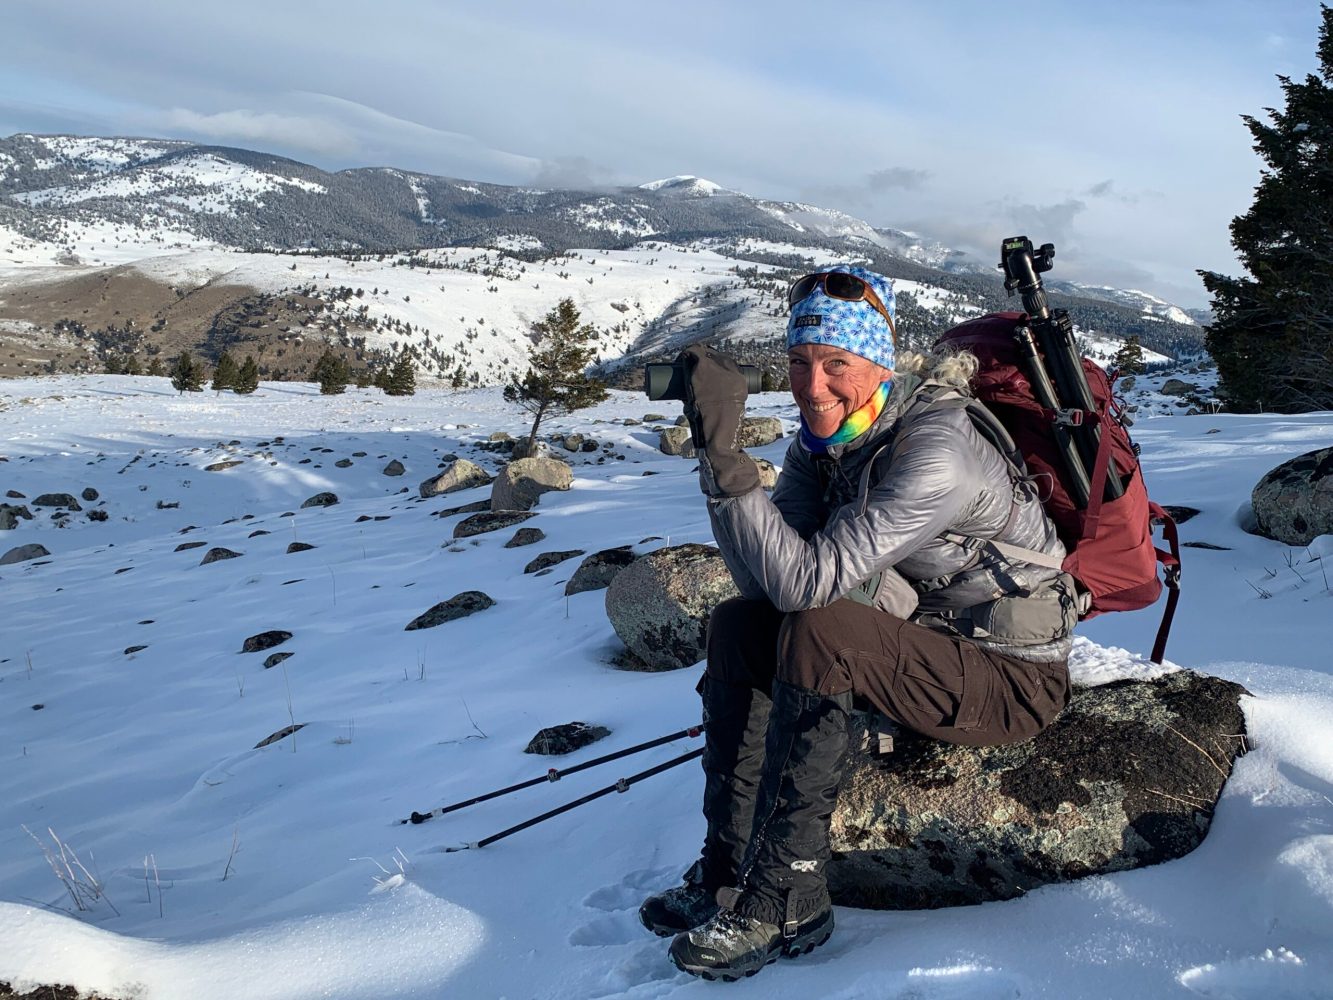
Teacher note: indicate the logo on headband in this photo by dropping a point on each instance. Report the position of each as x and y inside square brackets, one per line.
[813, 319]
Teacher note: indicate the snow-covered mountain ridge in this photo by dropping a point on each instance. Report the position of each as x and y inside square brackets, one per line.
[133, 245]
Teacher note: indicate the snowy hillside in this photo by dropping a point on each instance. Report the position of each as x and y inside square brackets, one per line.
[129, 719]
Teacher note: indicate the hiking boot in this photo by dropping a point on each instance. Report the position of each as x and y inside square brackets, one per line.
[732, 945]
[681, 908]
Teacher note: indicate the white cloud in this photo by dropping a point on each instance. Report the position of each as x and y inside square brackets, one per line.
[316, 135]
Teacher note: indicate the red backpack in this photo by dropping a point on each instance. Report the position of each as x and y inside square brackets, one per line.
[1111, 554]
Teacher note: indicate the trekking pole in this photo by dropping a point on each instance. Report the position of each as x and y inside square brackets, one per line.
[621, 785]
[1022, 266]
[553, 774]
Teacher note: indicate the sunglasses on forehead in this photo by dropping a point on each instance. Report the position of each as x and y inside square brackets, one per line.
[844, 286]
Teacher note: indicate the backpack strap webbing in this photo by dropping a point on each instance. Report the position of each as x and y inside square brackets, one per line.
[1171, 563]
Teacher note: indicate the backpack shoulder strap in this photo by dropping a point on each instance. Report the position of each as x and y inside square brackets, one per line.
[988, 425]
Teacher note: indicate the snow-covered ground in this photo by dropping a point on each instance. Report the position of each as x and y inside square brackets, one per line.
[283, 872]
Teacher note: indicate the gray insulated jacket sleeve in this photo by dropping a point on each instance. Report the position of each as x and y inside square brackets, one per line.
[777, 549]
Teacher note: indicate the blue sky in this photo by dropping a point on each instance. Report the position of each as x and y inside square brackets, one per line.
[1111, 130]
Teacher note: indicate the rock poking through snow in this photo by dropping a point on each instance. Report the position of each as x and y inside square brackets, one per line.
[599, 569]
[469, 602]
[459, 474]
[1294, 502]
[556, 740]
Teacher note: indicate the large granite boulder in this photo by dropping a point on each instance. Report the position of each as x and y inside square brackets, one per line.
[660, 603]
[759, 431]
[65, 500]
[1177, 387]
[522, 482]
[1128, 776]
[1294, 502]
[676, 441]
[10, 514]
[23, 553]
[459, 474]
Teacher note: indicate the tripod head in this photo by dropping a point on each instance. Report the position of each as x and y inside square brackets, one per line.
[1022, 264]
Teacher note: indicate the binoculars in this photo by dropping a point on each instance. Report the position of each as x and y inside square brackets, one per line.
[670, 380]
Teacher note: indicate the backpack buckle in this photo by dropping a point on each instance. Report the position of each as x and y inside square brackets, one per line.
[1070, 418]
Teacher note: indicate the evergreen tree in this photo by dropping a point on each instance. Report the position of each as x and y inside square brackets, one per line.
[132, 366]
[224, 376]
[362, 378]
[247, 379]
[330, 372]
[381, 378]
[402, 376]
[187, 375]
[1272, 335]
[156, 367]
[1129, 359]
[556, 380]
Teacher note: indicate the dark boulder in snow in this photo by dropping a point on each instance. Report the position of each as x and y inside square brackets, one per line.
[281, 734]
[546, 560]
[479, 524]
[185, 546]
[298, 547]
[1294, 502]
[273, 659]
[394, 468]
[10, 514]
[321, 500]
[476, 506]
[556, 740]
[65, 500]
[659, 605]
[525, 536]
[1127, 776]
[218, 553]
[89, 494]
[1177, 387]
[469, 602]
[599, 569]
[23, 553]
[265, 640]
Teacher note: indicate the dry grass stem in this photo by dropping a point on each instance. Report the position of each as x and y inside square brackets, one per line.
[1220, 769]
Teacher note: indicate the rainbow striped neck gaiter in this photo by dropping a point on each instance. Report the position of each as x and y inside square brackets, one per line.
[854, 426]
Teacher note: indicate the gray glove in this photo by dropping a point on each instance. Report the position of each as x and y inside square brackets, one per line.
[714, 405]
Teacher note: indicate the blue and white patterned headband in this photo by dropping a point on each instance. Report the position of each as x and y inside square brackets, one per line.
[856, 327]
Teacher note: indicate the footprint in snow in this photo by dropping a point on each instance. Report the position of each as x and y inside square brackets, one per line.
[1272, 975]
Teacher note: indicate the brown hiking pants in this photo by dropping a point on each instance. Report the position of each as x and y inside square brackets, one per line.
[941, 686]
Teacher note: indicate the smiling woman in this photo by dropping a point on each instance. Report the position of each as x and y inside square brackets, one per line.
[857, 579]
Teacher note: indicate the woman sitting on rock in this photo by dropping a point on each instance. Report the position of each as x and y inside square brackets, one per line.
[866, 574]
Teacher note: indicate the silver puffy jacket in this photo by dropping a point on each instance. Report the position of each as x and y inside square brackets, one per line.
[899, 519]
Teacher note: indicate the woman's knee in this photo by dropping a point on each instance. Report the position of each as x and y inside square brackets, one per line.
[742, 642]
